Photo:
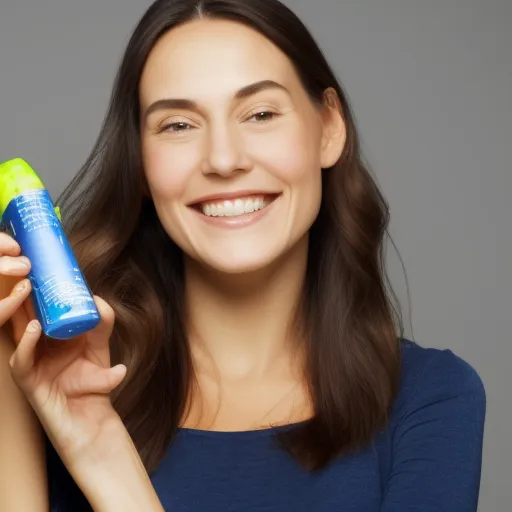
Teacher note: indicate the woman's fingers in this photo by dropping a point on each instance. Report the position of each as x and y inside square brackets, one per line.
[12, 303]
[90, 378]
[8, 245]
[14, 265]
[22, 361]
[102, 380]
[20, 319]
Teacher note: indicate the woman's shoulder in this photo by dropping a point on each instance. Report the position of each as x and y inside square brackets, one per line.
[436, 376]
[433, 443]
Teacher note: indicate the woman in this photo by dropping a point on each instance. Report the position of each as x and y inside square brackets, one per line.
[227, 221]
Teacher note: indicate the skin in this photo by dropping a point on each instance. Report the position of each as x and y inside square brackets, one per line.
[234, 278]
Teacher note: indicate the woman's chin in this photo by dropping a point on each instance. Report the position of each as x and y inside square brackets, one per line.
[254, 258]
[238, 266]
[234, 262]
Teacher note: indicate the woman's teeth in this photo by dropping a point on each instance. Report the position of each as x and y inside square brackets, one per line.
[236, 207]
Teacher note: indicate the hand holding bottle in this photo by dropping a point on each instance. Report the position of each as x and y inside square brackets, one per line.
[15, 310]
[66, 382]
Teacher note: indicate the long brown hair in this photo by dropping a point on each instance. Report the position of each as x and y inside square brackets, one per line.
[353, 362]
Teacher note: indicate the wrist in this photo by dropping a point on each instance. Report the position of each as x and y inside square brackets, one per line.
[111, 443]
[112, 475]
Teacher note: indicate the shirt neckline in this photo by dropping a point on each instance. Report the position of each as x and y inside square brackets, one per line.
[240, 433]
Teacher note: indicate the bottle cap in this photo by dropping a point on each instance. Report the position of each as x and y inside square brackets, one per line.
[16, 178]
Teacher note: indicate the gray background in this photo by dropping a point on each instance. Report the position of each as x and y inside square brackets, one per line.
[430, 83]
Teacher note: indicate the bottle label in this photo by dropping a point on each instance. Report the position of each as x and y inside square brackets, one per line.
[35, 211]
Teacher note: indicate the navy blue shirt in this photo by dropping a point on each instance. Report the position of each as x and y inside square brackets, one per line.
[428, 459]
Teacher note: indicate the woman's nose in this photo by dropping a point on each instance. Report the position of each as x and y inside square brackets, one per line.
[225, 153]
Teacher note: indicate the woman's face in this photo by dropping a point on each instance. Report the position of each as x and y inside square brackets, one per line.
[233, 148]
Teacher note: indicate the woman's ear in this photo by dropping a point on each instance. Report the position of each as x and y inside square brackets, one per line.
[333, 129]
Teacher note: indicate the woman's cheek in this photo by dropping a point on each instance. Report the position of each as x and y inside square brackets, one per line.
[290, 156]
[167, 172]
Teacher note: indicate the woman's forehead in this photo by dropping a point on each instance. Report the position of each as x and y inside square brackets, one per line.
[212, 54]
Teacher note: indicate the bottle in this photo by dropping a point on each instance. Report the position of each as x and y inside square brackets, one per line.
[62, 300]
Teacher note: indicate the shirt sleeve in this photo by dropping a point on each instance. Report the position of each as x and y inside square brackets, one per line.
[437, 446]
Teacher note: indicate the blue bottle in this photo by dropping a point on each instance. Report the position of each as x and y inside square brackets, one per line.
[63, 302]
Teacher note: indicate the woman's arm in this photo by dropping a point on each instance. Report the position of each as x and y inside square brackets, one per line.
[112, 476]
[437, 447]
[23, 483]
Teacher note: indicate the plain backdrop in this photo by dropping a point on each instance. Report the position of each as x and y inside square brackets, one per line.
[430, 82]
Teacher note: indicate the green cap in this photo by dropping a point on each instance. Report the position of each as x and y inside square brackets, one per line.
[16, 178]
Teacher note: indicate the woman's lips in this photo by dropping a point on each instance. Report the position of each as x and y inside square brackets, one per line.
[233, 213]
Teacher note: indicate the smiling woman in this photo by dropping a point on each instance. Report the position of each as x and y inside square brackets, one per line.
[226, 216]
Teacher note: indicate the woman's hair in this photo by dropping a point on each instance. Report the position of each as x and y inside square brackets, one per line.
[351, 326]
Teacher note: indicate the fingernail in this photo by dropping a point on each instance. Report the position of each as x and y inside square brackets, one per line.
[21, 264]
[33, 326]
[24, 261]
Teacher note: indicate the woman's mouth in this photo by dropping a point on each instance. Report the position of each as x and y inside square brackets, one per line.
[235, 212]
[235, 207]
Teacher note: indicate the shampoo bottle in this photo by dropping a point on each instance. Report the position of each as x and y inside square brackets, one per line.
[63, 302]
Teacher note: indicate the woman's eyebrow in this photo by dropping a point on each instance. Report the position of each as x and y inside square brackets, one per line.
[187, 104]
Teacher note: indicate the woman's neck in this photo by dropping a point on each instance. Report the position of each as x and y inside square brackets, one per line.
[241, 326]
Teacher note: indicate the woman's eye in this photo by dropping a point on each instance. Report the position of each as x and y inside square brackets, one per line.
[263, 116]
[182, 126]
[177, 127]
